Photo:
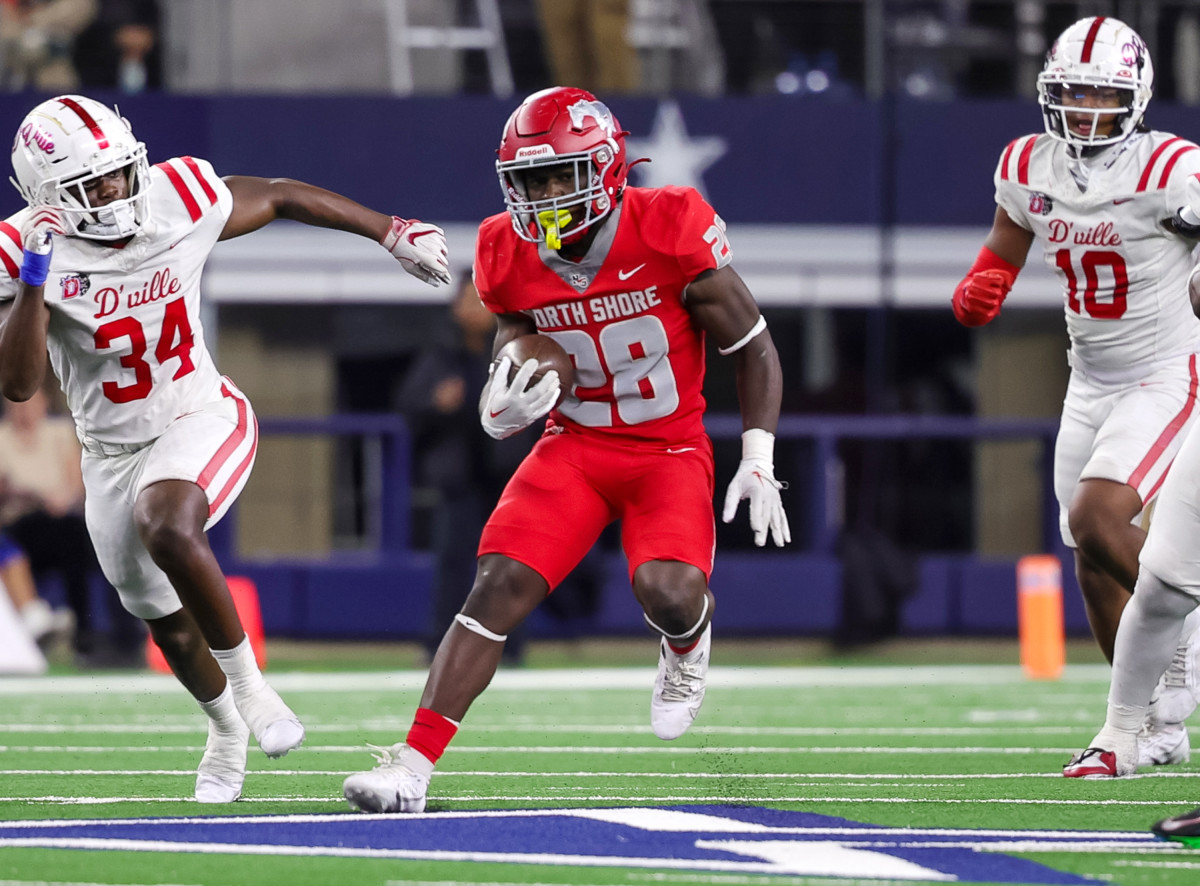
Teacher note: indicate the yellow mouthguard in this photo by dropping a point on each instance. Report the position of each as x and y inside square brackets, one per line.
[552, 222]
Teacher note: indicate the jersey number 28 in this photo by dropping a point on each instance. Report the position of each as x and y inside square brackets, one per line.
[635, 352]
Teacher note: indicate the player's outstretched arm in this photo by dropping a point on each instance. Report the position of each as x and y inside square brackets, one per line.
[721, 304]
[419, 247]
[24, 327]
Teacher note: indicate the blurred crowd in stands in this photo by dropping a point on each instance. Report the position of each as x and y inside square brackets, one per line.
[924, 49]
[72, 45]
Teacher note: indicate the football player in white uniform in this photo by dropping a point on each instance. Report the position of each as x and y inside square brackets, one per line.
[102, 273]
[1095, 190]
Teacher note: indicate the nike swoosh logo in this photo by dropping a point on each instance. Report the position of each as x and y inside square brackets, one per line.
[495, 414]
[683, 449]
[1119, 202]
[625, 275]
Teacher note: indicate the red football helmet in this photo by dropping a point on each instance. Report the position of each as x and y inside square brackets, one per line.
[554, 127]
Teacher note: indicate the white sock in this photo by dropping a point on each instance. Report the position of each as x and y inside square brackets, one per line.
[1147, 637]
[222, 711]
[240, 667]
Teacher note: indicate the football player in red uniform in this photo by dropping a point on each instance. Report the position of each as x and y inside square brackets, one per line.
[629, 281]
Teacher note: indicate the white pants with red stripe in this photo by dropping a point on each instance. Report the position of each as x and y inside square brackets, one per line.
[1128, 430]
[213, 447]
[1172, 552]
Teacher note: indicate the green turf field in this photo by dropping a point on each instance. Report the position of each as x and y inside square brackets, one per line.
[958, 759]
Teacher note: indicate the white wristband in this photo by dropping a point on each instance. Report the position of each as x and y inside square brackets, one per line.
[1189, 215]
[759, 445]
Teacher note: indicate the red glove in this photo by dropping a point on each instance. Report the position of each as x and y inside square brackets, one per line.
[977, 299]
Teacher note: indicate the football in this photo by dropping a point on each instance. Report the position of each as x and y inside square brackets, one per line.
[548, 353]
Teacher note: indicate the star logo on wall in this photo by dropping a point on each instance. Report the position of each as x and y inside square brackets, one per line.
[677, 158]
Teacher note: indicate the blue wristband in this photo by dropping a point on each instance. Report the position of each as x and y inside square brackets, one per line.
[35, 268]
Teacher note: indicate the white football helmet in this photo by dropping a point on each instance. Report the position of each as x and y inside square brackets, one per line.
[1096, 51]
[66, 141]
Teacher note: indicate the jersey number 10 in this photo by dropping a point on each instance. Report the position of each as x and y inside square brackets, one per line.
[1091, 260]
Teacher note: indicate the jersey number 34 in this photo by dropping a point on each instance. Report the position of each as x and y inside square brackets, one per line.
[175, 340]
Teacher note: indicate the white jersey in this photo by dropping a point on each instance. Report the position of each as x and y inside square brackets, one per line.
[1124, 275]
[125, 338]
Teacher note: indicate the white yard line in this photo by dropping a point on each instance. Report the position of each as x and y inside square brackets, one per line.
[724, 797]
[587, 678]
[814, 779]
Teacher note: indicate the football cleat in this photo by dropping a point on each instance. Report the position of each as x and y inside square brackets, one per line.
[1183, 828]
[276, 729]
[679, 687]
[1177, 692]
[1163, 744]
[398, 783]
[1097, 761]
[222, 769]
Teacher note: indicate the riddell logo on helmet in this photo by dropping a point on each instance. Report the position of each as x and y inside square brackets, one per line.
[32, 135]
[535, 151]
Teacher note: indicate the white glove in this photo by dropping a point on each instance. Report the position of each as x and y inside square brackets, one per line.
[420, 248]
[507, 406]
[42, 223]
[38, 242]
[755, 480]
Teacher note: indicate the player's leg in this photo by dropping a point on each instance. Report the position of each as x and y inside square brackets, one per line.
[546, 520]
[187, 480]
[1148, 635]
[222, 769]
[678, 605]
[1101, 519]
[145, 592]
[1153, 622]
[668, 535]
[504, 594]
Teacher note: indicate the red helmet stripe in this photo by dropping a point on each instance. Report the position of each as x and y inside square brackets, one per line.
[1090, 40]
[88, 120]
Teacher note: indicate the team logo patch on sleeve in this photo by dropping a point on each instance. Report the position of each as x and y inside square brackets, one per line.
[74, 285]
[1040, 204]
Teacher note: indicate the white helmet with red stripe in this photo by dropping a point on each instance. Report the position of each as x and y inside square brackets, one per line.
[66, 141]
[1098, 52]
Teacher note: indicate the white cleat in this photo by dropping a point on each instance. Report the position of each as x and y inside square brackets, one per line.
[223, 767]
[679, 687]
[276, 729]
[1163, 744]
[397, 784]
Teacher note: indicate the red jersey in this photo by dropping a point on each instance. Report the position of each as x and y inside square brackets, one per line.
[619, 313]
